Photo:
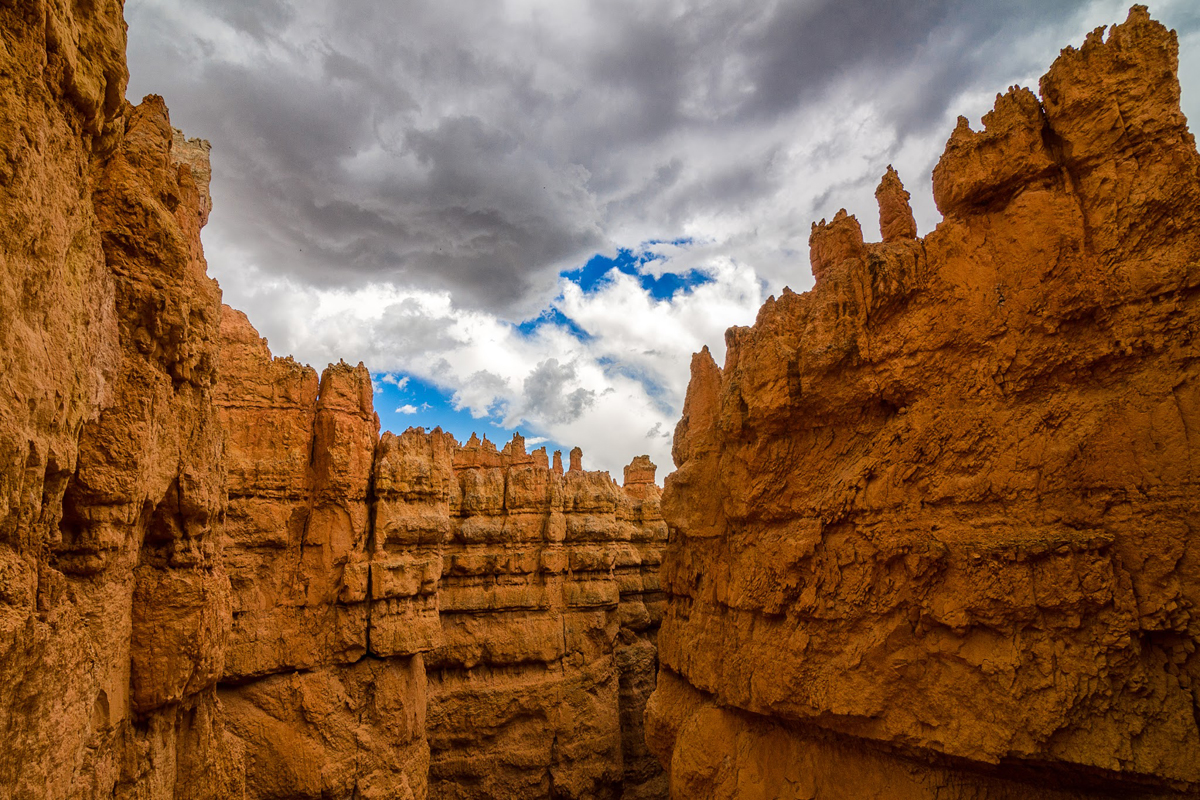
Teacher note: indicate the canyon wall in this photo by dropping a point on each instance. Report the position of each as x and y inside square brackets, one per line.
[318, 711]
[216, 580]
[113, 596]
[409, 609]
[549, 603]
[935, 525]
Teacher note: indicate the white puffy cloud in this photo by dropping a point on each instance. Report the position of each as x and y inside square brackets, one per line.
[616, 391]
[400, 183]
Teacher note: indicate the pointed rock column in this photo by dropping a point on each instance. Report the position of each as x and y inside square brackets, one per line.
[896, 222]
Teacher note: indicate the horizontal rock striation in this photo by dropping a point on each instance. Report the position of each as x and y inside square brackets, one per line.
[549, 603]
[936, 523]
[216, 580]
[318, 714]
[501, 611]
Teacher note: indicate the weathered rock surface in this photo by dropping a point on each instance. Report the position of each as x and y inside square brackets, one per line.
[936, 523]
[316, 715]
[229, 588]
[359, 564]
[114, 606]
[549, 603]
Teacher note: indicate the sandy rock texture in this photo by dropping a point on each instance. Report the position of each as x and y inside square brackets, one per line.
[549, 606]
[935, 527]
[114, 604]
[216, 580]
[412, 610]
[317, 714]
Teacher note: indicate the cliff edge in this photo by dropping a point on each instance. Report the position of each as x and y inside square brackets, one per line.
[935, 527]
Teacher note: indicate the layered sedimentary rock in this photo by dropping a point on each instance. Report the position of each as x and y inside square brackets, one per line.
[317, 716]
[359, 565]
[194, 602]
[113, 601]
[549, 603]
[936, 523]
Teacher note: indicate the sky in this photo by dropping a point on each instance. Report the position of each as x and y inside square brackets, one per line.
[528, 214]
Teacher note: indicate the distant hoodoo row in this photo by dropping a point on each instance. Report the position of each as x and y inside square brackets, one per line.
[517, 601]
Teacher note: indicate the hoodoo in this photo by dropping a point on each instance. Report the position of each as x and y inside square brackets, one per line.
[934, 528]
[410, 609]
[216, 580]
[935, 525]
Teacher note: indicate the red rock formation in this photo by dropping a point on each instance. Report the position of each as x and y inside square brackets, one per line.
[530, 596]
[936, 523]
[227, 589]
[315, 717]
[896, 221]
[114, 605]
[549, 602]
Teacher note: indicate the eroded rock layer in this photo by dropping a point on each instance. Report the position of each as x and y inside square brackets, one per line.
[114, 602]
[549, 603]
[317, 714]
[936, 523]
[520, 602]
[216, 581]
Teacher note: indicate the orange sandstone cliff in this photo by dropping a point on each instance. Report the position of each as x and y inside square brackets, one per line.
[216, 580]
[113, 596]
[411, 610]
[933, 528]
[935, 525]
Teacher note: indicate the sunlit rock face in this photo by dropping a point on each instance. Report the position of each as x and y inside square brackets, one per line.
[318, 713]
[421, 615]
[935, 525]
[933, 528]
[528, 596]
[114, 603]
[543, 652]
[216, 580]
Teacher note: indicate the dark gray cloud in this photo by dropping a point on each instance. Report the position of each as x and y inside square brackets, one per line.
[480, 147]
[548, 397]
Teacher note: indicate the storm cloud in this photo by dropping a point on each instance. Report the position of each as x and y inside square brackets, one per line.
[474, 150]
[482, 147]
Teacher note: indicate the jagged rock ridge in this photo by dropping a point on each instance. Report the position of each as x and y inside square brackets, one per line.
[112, 593]
[520, 602]
[216, 581]
[936, 523]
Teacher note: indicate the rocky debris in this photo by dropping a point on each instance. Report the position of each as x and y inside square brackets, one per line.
[935, 527]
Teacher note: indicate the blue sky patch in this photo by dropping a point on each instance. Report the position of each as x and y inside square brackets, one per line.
[415, 403]
[552, 316]
[627, 261]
